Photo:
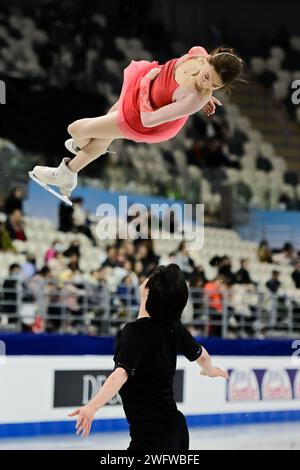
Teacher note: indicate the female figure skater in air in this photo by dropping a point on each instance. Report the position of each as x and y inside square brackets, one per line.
[145, 365]
[155, 103]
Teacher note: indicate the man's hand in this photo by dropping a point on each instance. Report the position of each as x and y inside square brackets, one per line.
[85, 418]
[215, 372]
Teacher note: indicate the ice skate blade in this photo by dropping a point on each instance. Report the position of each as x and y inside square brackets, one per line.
[64, 199]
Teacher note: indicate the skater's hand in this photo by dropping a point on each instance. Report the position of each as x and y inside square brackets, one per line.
[215, 372]
[84, 421]
[153, 73]
[210, 108]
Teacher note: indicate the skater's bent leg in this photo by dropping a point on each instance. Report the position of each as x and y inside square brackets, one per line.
[103, 127]
[80, 140]
[92, 151]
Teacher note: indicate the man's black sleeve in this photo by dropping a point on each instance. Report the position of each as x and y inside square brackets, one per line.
[130, 348]
[186, 343]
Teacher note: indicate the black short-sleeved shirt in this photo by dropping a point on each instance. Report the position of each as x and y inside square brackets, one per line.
[148, 353]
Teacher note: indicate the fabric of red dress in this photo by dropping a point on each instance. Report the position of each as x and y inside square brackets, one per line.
[161, 93]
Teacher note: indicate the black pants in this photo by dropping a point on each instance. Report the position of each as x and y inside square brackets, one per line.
[161, 441]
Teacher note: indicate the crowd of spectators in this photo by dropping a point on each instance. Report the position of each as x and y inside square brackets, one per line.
[74, 299]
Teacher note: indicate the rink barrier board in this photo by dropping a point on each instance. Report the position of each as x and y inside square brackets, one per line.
[49, 357]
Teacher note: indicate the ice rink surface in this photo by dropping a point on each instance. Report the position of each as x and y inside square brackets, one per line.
[260, 436]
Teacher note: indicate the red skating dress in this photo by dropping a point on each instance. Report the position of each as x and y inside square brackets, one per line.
[161, 94]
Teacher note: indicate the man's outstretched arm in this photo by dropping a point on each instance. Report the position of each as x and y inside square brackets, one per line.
[85, 414]
[208, 368]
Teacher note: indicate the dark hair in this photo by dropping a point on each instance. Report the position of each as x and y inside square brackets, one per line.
[44, 271]
[14, 266]
[228, 65]
[168, 294]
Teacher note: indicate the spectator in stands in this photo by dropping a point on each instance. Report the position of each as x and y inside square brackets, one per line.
[72, 272]
[15, 226]
[58, 263]
[285, 202]
[197, 283]
[129, 250]
[151, 259]
[5, 240]
[40, 278]
[225, 269]
[65, 218]
[264, 253]
[14, 201]
[80, 220]
[29, 267]
[274, 283]
[138, 268]
[127, 293]
[142, 255]
[10, 294]
[242, 276]
[214, 294]
[52, 251]
[287, 256]
[123, 269]
[40, 285]
[184, 261]
[111, 257]
[99, 276]
[73, 249]
[296, 275]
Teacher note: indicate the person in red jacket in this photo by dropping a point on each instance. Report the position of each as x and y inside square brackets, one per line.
[155, 103]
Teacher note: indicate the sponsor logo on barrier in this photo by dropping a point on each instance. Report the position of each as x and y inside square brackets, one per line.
[276, 385]
[78, 387]
[243, 386]
[263, 385]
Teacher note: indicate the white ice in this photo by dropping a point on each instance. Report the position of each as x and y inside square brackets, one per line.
[265, 437]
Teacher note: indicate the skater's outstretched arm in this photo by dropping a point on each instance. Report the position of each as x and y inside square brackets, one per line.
[196, 352]
[111, 387]
[129, 351]
[208, 368]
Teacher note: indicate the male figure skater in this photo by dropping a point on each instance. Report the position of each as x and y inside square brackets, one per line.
[145, 365]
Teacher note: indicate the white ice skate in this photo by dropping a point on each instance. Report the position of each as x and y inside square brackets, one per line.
[72, 147]
[61, 176]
